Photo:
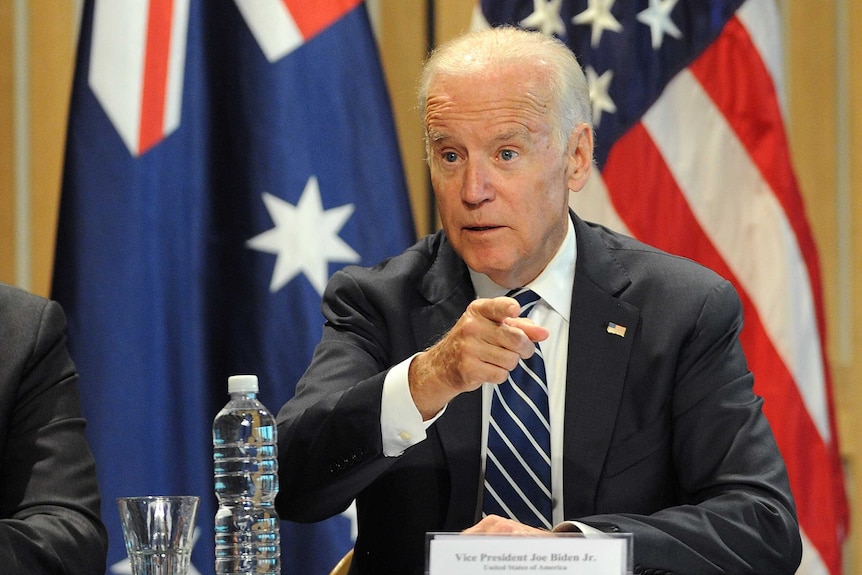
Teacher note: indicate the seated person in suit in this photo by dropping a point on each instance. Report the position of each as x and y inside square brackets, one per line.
[654, 428]
[49, 499]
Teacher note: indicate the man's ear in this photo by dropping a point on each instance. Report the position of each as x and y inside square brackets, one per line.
[580, 156]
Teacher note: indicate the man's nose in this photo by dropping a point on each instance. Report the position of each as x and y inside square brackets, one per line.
[477, 186]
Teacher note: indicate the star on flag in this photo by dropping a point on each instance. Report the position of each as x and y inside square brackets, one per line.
[598, 15]
[305, 238]
[546, 18]
[657, 17]
[599, 96]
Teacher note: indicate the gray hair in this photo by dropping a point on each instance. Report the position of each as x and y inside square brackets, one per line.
[502, 46]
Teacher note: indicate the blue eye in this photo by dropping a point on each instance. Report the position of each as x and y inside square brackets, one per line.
[450, 157]
[508, 155]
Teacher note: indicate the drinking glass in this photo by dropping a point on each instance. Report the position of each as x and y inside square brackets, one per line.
[158, 532]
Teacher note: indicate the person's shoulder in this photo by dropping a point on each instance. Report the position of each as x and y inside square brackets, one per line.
[27, 320]
[13, 293]
[638, 257]
[18, 302]
[412, 263]
[666, 284]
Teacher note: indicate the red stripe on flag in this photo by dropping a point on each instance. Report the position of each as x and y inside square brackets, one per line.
[159, 20]
[312, 17]
[648, 199]
[750, 107]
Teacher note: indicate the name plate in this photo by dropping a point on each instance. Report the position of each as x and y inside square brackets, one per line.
[570, 553]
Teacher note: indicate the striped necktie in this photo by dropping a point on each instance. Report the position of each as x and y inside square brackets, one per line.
[518, 462]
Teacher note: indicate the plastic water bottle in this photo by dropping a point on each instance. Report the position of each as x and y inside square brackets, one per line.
[246, 482]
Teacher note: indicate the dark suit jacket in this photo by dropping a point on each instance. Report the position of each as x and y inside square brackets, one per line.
[664, 437]
[49, 500]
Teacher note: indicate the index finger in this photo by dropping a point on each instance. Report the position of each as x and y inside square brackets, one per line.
[496, 309]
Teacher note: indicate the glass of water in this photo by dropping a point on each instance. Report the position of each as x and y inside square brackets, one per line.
[158, 532]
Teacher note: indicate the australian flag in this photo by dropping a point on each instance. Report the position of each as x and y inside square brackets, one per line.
[224, 158]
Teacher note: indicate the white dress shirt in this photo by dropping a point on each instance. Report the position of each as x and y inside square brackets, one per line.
[401, 422]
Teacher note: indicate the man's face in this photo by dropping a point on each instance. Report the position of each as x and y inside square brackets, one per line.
[500, 178]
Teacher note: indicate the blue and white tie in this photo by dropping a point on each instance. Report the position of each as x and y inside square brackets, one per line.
[518, 463]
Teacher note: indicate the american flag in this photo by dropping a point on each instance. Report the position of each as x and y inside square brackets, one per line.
[693, 158]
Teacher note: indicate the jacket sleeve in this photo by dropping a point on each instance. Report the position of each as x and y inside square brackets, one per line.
[330, 445]
[49, 498]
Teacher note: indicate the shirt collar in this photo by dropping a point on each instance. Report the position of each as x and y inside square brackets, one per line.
[554, 284]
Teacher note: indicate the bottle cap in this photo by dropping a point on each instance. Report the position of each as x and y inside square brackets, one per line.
[242, 384]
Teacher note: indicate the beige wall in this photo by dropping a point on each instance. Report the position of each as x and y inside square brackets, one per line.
[825, 132]
[7, 110]
[825, 129]
[37, 42]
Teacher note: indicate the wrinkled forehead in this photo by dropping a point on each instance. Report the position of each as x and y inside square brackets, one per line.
[475, 88]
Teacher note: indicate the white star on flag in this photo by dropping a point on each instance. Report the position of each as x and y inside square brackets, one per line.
[598, 13]
[305, 238]
[657, 17]
[599, 85]
[546, 18]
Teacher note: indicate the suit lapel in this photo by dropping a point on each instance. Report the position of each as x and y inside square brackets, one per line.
[448, 289]
[596, 368]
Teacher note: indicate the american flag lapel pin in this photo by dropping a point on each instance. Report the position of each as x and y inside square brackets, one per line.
[616, 329]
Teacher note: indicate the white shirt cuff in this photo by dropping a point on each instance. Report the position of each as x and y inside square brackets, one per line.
[575, 526]
[401, 423]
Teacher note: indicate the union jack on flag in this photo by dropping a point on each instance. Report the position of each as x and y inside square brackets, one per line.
[688, 108]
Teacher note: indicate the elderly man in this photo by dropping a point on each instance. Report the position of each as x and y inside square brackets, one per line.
[637, 412]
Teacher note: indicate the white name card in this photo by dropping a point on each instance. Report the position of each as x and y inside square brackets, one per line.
[569, 553]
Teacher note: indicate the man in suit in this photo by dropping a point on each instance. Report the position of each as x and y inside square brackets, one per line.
[49, 499]
[654, 427]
